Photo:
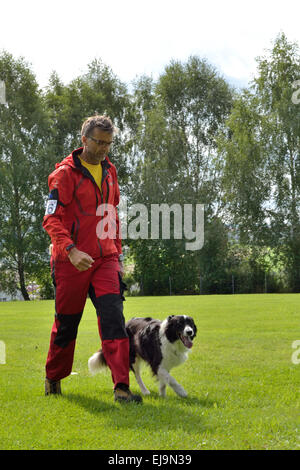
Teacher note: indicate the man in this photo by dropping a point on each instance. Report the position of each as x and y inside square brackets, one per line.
[85, 262]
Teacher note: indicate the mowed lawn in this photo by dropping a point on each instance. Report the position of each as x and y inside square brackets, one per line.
[243, 388]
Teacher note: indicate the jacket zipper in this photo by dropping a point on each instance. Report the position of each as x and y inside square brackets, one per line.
[104, 175]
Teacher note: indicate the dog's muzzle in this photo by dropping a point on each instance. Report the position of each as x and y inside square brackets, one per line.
[187, 336]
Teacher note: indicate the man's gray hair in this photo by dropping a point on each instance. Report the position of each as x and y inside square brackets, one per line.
[103, 122]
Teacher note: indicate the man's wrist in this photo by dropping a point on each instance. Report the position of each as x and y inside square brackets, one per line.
[69, 248]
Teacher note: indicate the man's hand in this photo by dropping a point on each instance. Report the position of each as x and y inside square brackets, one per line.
[82, 261]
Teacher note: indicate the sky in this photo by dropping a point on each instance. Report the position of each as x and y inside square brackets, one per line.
[136, 37]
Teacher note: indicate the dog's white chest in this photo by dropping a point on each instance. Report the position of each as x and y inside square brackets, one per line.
[172, 355]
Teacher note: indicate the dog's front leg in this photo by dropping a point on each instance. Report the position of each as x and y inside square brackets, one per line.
[166, 378]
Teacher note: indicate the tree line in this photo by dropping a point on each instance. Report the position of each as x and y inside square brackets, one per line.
[188, 137]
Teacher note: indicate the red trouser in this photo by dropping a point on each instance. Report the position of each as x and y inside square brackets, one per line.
[104, 285]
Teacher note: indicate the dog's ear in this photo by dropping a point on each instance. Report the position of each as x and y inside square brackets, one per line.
[195, 326]
[171, 316]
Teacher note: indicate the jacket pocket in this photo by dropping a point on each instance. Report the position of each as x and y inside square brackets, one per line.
[75, 230]
[72, 230]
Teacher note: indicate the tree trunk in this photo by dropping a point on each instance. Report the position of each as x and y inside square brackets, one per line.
[22, 279]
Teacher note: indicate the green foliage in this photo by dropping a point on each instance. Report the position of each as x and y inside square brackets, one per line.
[23, 175]
[185, 138]
[175, 164]
[260, 154]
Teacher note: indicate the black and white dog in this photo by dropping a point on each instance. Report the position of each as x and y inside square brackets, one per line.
[161, 344]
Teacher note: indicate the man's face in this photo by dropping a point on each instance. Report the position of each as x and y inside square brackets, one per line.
[97, 145]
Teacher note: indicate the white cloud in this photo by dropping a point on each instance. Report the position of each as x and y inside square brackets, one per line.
[138, 36]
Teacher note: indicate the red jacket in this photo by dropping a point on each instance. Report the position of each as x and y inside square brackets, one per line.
[74, 197]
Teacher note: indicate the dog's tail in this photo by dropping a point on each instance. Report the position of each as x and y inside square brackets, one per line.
[97, 362]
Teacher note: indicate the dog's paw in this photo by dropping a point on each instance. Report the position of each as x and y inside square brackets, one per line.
[181, 392]
[145, 392]
[162, 390]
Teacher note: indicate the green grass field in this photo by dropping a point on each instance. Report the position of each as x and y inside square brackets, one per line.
[243, 387]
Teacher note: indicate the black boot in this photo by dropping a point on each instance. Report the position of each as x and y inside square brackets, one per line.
[122, 394]
[52, 387]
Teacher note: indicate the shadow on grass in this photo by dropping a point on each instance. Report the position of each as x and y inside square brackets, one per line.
[155, 412]
[93, 405]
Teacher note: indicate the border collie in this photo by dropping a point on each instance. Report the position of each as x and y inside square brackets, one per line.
[161, 344]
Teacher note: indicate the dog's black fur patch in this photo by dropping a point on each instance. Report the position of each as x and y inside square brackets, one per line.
[144, 340]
